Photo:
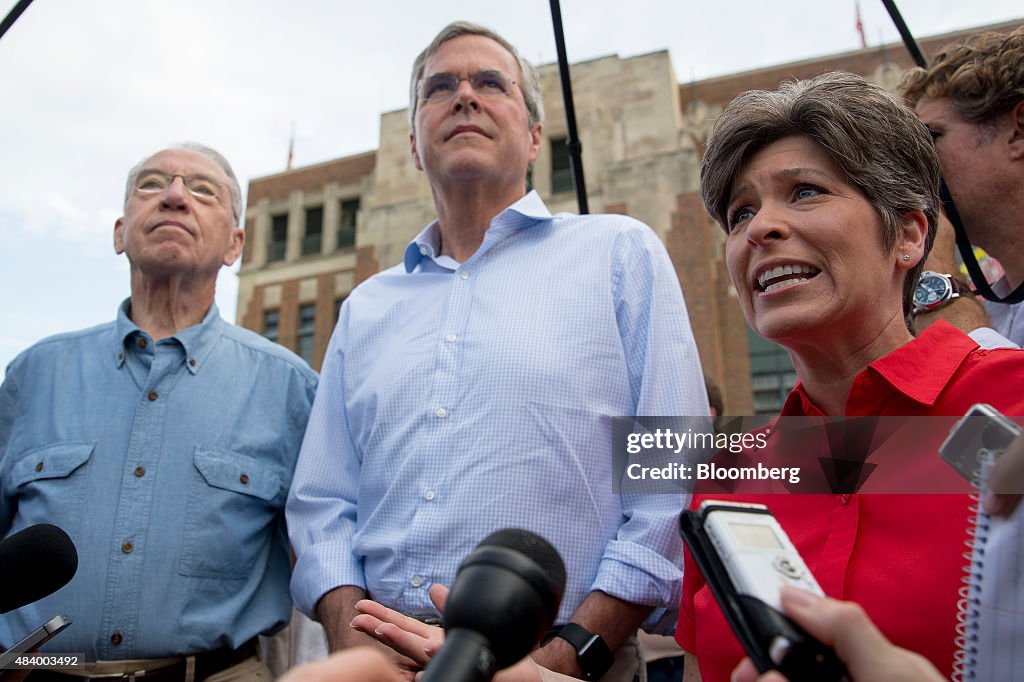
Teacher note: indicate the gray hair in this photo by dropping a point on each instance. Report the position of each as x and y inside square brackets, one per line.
[208, 152]
[881, 146]
[530, 85]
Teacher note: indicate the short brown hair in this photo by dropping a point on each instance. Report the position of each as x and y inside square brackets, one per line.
[530, 85]
[881, 146]
[983, 77]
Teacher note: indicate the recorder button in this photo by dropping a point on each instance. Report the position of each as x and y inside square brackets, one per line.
[786, 567]
[778, 649]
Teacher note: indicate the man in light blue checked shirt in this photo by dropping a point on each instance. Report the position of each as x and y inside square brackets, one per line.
[471, 387]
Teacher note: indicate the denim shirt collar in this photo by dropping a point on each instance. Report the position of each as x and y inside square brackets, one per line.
[197, 341]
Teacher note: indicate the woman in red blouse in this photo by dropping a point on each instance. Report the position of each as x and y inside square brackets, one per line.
[827, 190]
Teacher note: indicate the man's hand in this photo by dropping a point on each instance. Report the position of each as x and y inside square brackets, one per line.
[868, 655]
[419, 641]
[337, 610]
[1006, 481]
[407, 636]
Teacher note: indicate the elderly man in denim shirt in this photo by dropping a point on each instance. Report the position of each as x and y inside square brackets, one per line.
[164, 444]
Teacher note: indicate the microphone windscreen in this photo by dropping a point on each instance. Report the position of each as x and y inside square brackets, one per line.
[508, 590]
[34, 563]
[535, 548]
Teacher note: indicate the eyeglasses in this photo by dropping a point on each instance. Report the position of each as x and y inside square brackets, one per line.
[441, 87]
[200, 186]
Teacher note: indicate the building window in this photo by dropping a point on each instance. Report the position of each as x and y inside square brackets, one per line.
[272, 324]
[347, 229]
[305, 332]
[771, 374]
[561, 169]
[278, 237]
[314, 230]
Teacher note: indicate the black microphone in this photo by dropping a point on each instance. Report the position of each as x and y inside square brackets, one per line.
[34, 562]
[504, 600]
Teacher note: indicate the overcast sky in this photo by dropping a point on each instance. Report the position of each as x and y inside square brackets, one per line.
[89, 87]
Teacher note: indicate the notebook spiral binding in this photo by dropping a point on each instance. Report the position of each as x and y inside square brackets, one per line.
[966, 639]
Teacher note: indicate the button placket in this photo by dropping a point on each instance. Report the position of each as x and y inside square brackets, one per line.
[134, 509]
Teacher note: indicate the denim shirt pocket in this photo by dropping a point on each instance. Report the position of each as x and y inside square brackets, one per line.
[50, 483]
[233, 507]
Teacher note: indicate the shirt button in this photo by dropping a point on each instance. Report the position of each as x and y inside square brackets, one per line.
[127, 547]
[846, 499]
[441, 413]
[429, 495]
[191, 362]
[244, 479]
[39, 466]
[451, 338]
[152, 396]
[423, 250]
[464, 275]
[140, 472]
[416, 581]
[116, 638]
[142, 342]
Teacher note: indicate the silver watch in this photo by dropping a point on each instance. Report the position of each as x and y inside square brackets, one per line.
[934, 290]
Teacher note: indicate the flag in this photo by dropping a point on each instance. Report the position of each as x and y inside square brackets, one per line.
[860, 26]
[291, 148]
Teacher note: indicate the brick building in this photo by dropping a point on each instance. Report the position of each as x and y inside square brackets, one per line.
[314, 233]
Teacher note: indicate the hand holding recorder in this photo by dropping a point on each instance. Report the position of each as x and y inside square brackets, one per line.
[845, 627]
[1006, 482]
[987, 449]
[746, 558]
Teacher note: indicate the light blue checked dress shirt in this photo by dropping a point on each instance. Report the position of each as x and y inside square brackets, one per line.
[168, 464]
[457, 399]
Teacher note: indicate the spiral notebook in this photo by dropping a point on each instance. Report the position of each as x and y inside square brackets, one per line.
[990, 632]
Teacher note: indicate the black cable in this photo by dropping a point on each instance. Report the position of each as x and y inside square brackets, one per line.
[13, 15]
[571, 140]
[963, 242]
[908, 37]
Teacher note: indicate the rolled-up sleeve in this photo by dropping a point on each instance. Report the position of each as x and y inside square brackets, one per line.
[321, 508]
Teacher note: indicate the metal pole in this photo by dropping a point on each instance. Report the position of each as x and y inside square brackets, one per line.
[908, 37]
[571, 140]
[13, 15]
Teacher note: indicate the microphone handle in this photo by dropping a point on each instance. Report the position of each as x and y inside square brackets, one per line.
[465, 656]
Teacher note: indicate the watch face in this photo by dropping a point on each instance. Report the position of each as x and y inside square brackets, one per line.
[931, 290]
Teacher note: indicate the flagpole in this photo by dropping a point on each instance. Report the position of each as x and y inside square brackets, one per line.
[860, 25]
[291, 147]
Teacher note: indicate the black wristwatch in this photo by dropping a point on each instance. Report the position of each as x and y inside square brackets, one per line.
[935, 289]
[592, 654]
